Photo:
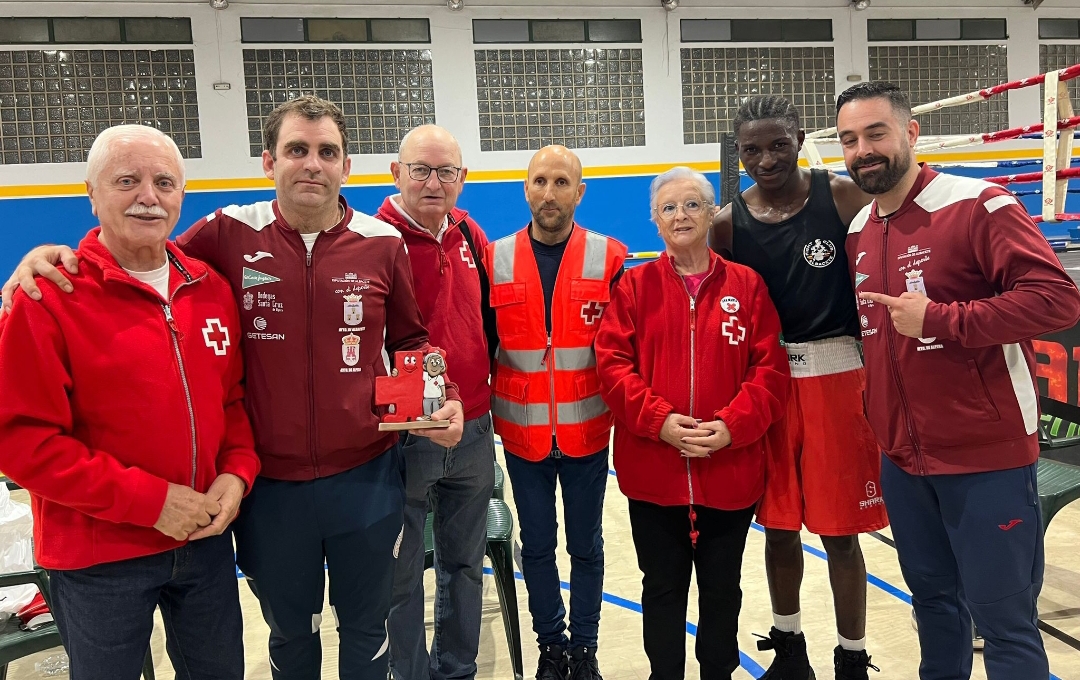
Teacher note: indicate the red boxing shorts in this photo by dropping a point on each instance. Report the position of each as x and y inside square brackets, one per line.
[823, 464]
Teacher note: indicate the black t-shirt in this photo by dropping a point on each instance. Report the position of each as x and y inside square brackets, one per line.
[548, 259]
[804, 264]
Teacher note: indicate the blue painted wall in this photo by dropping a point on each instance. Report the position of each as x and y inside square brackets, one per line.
[616, 206]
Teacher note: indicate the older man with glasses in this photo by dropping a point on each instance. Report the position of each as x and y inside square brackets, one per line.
[454, 482]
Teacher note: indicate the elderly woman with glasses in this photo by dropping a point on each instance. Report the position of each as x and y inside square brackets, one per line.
[691, 366]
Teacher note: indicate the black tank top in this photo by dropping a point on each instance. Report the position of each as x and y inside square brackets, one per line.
[803, 262]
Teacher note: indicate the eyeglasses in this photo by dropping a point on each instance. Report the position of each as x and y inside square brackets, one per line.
[420, 172]
[692, 208]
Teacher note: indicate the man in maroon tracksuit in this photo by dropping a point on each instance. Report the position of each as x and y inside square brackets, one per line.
[953, 279]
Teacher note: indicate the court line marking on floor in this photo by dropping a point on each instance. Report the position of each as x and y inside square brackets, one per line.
[745, 662]
[870, 578]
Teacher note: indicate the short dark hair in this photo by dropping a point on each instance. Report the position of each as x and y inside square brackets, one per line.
[877, 90]
[766, 107]
[309, 106]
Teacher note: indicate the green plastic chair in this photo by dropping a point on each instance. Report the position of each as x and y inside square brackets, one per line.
[500, 550]
[500, 483]
[19, 643]
[1059, 482]
[16, 644]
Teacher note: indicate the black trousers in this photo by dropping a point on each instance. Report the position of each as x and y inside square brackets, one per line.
[665, 557]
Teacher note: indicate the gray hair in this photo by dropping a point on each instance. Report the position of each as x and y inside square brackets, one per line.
[100, 150]
[682, 172]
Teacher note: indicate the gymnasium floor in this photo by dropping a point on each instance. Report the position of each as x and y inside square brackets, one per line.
[891, 641]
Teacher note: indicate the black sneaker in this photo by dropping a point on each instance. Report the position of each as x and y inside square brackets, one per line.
[583, 664]
[851, 665]
[553, 664]
[791, 662]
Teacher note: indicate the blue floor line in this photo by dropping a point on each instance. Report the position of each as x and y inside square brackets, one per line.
[749, 665]
[875, 581]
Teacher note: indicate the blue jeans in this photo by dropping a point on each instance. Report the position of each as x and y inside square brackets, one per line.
[971, 547]
[456, 483]
[290, 534]
[584, 482]
[105, 613]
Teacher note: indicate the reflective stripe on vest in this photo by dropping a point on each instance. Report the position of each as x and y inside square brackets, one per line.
[522, 415]
[595, 256]
[532, 360]
[592, 267]
[504, 261]
[575, 412]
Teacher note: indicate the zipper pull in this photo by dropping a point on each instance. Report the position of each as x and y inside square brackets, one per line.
[169, 318]
[547, 352]
[693, 315]
[309, 258]
[885, 228]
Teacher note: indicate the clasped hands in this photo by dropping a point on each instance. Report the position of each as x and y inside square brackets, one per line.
[694, 438]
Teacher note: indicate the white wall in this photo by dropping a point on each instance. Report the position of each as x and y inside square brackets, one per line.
[223, 119]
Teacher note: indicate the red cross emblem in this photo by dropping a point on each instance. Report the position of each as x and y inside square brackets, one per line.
[733, 330]
[466, 256]
[591, 311]
[216, 336]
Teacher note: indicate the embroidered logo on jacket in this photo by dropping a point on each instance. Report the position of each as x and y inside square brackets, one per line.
[733, 330]
[354, 309]
[216, 336]
[252, 278]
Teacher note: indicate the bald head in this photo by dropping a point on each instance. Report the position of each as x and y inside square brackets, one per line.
[557, 156]
[428, 136]
[553, 190]
[423, 151]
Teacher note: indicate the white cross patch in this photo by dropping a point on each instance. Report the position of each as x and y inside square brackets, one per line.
[591, 311]
[466, 255]
[733, 331]
[216, 336]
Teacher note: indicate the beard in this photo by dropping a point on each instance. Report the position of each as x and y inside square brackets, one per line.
[883, 179]
[552, 223]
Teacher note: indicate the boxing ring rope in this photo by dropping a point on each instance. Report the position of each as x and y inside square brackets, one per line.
[1057, 130]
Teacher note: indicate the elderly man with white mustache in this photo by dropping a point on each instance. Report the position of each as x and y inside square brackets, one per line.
[123, 417]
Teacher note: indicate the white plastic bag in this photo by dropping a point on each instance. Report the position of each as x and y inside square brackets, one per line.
[16, 552]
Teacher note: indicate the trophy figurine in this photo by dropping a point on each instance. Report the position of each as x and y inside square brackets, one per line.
[415, 389]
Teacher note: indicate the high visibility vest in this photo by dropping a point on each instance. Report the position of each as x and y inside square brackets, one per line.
[547, 386]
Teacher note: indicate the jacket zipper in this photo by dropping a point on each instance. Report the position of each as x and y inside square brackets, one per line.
[894, 363]
[311, 362]
[174, 332]
[547, 361]
[550, 367]
[693, 326]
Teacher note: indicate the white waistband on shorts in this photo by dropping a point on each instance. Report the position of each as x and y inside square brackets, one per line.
[823, 357]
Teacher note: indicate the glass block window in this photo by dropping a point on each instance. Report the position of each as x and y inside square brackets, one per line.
[53, 103]
[383, 93]
[932, 72]
[716, 80]
[1056, 57]
[580, 98]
